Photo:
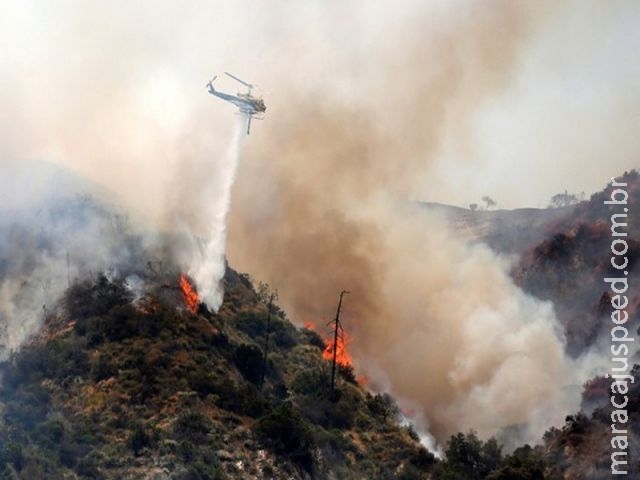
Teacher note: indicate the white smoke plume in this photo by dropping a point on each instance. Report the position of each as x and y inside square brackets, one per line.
[55, 229]
[208, 262]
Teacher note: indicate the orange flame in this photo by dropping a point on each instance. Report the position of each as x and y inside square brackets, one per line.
[189, 293]
[343, 358]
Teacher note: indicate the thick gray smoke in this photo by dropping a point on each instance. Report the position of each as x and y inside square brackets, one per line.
[54, 228]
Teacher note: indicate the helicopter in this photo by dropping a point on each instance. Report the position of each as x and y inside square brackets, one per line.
[246, 103]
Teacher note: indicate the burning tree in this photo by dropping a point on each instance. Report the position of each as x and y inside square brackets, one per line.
[339, 349]
[337, 345]
[189, 293]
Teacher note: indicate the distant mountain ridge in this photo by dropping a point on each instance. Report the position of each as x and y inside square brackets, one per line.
[505, 231]
[562, 254]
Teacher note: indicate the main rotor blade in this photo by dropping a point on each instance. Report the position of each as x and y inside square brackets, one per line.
[238, 80]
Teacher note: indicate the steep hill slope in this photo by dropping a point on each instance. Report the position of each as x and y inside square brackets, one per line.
[562, 255]
[121, 387]
[568, 267]
[505, 231]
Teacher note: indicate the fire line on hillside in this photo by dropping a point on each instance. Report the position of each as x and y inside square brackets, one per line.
[189, 293]
[343, 357]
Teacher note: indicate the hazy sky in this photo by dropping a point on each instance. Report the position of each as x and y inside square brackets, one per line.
[116, 89]
[569, 117]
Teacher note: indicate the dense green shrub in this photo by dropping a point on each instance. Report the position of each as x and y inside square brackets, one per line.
[13, 455]
[337, 409]
[89, 466]
[469, 458]
[248, 359]
[49, 434]
[244, 399]
[383, 406]
[121, 322]
[287, 433]
[313, 338]
[410, 472]
[283, 333]
[57, 359]
[87, 298]
[192, 426]
[103, 368]
[203, 383]
[525, 463]
[347, 373]
[28, 407]
[252, 323]
[201, 471]
[138, 439]
[310, 382]
[422, 459]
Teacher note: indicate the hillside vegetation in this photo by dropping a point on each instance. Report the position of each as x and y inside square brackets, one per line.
[117, 387]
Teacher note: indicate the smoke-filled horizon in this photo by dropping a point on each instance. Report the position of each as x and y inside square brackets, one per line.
[368, 105]
[117, 93]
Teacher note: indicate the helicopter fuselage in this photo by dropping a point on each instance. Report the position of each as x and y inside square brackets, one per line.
[246, 103]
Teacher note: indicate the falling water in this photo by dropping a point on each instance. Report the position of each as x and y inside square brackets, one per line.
[208, 264]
